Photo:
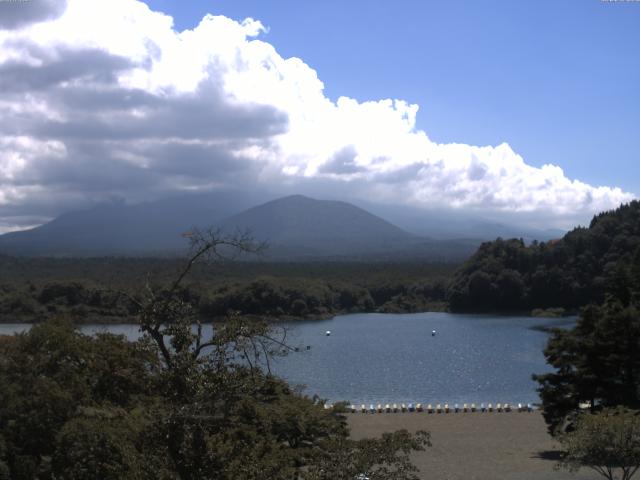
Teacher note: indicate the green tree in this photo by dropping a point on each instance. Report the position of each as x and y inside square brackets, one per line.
[51, 374]
[607, 442]
[597, 363]
[103, 443]
[385, 458]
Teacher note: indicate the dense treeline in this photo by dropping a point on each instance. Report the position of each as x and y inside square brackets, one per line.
[569, 273]
[86, 289]
[597, 363]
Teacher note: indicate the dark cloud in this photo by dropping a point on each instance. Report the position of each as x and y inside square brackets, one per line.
[477, 170]
[401, 175]
[62, 65]
[342, 162]
[19, 13]
[125, 114]
[121, 141]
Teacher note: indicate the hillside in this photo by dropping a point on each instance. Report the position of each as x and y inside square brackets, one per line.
[300, 226]
[579, 269]
[295, 227]
[153, 228]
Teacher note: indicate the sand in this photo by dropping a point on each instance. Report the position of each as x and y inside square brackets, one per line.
[476, 446]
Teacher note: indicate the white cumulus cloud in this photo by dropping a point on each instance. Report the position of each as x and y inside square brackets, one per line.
[106, 98]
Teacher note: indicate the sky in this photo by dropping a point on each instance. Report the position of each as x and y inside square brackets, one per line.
[527, 110]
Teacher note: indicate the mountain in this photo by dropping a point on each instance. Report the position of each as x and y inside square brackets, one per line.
[300, 226]
[445, 224]
[295, 227]
[115, 229]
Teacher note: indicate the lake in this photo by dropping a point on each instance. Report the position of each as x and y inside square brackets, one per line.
[381, 358]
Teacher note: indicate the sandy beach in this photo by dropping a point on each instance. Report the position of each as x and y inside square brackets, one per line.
[476, 446]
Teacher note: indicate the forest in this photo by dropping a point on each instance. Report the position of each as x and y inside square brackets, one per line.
[577, 270]
[99, 289]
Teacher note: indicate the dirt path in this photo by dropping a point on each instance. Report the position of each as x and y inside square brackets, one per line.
[476, 446]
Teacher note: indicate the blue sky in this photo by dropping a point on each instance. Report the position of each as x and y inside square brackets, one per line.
[557, 80]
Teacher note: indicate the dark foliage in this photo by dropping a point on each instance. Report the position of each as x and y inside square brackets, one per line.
[90, 290]
[598, 362]
[569, 273]
[607, 442]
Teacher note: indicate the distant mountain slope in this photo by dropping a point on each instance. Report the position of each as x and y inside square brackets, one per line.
[298, 227]
[144, 229]
[444, 224]
[295, 227]
[299, 220]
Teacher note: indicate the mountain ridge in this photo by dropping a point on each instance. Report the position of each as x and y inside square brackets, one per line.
[296, 227]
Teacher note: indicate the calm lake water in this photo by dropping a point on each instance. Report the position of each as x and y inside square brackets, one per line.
[381, 358]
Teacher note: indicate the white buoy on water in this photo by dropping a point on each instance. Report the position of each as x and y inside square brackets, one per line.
[433, 333]
[328, 333]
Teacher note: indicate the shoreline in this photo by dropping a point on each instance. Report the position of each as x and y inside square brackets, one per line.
[103, 320]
